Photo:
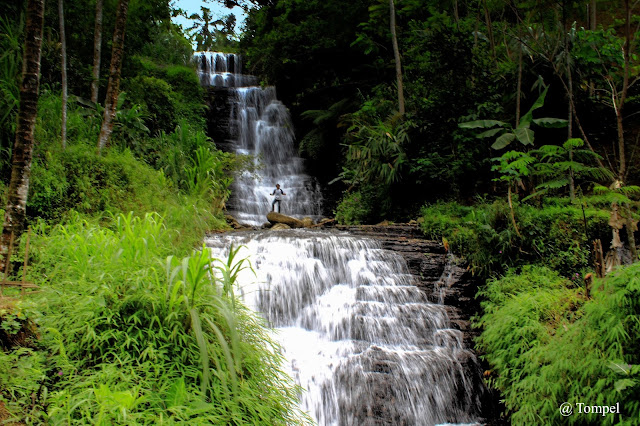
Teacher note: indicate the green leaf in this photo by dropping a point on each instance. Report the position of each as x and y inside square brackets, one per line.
[481, 124]
[489, 133]
[551, 123]
[177, 394]
[540, 101]
[524, 135]
[573, 143]
[621, 385]
[503, 141]
[525, 120]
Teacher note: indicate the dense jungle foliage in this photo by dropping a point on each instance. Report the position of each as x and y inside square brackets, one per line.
[517, 148]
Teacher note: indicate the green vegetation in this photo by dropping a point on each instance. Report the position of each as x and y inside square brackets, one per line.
[518, 149]
[548, 343]
[557, 235]
[129, 335]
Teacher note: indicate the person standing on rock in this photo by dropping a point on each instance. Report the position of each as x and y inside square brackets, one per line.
[278, 196]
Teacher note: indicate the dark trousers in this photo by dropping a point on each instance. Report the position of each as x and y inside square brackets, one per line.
[273, 205]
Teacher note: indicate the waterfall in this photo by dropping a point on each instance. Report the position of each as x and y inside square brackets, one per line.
[260, 126]
[358, 335]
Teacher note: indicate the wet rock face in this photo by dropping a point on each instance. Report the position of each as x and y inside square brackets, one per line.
[444, 280]
[217, 115]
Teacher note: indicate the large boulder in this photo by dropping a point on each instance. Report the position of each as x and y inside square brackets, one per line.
[274, 218]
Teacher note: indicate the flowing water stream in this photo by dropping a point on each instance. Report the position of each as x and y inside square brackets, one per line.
[357, 333]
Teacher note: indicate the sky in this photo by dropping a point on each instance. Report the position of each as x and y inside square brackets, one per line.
[217, 10]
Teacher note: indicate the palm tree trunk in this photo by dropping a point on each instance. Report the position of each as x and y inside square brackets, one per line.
[97, 51]
[14, 216]
[396, 55]
[519, 83]
[593, 24]
[63, 48]
[113, 88]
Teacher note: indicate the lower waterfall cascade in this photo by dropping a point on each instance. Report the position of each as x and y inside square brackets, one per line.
[359, 336]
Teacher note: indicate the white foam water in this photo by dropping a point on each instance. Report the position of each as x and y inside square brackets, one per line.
[358, 335]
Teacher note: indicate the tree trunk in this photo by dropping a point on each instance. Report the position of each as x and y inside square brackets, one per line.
[513, 215]
[14, 216]
[396, 55]
[619, 105]
[487, 17]
[97, 51]
[63, 52]
[113, 88]
[592, 26]
[630, 227]
[456, 14]
[572, 184]
[519, 84]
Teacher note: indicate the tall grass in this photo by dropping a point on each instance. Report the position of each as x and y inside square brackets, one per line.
[133, 335]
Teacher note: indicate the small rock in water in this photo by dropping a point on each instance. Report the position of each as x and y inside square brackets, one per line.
[326, 221]
[233, 222]
[280, 226]
[307, 222]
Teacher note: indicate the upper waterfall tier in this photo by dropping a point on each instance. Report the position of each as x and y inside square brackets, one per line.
[261, 127]
[219, 69]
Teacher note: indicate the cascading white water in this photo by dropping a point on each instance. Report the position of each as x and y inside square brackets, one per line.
[260, 126]
[358, 335]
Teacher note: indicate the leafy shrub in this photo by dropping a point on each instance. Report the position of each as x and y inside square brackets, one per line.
[366, 205]
[158, 101]
[168, 94]
[557, 235]
[80, 180]
[548, 344]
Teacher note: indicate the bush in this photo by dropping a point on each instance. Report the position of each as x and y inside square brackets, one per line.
[168, 94]
[367, 205]
[158, 102]
[132, 338]
[78, 179]
[548, 344]
[558, 236]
